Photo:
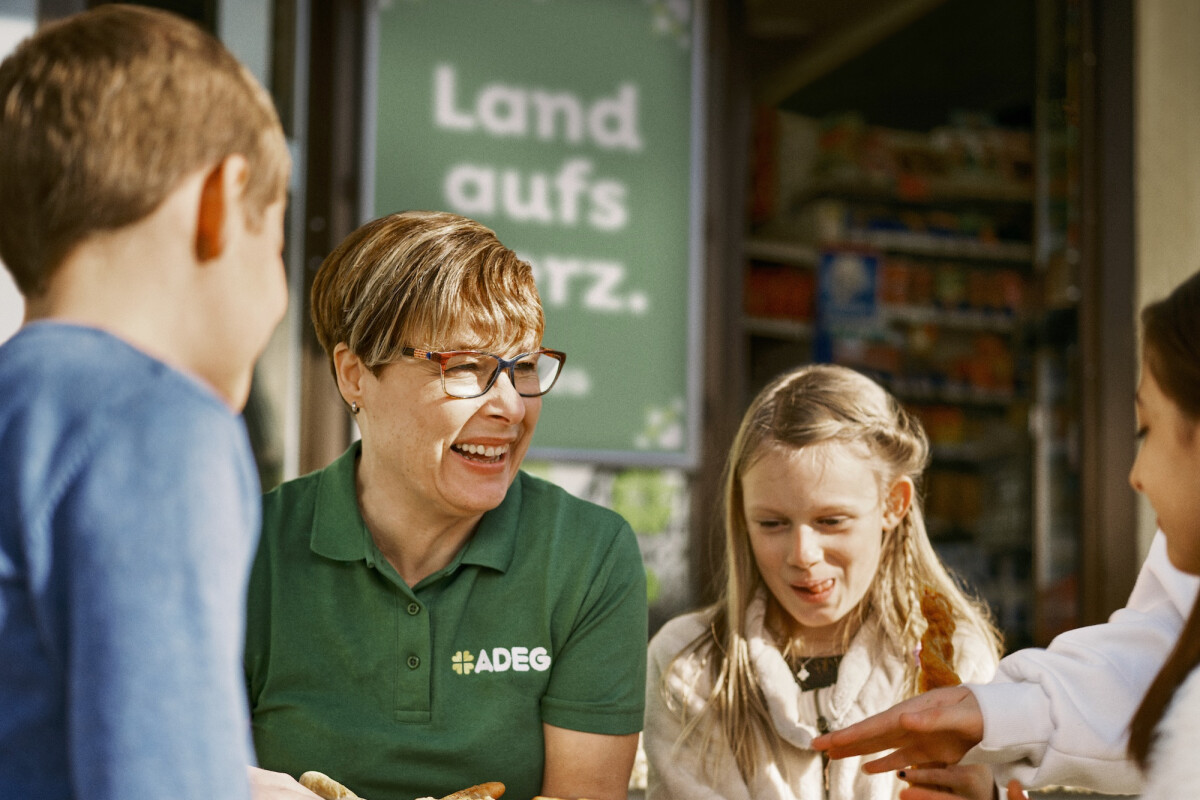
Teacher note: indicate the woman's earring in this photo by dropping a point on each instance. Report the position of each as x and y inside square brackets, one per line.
[354, 407]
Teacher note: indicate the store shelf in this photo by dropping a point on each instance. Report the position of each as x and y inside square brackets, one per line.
[781, 252]
[920, 191]
[967, 320]
[916, 391]
[803, 254]
[974, 453]
[785, 329]
[921, 244]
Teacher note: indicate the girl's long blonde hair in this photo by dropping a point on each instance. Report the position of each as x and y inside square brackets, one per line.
[806, 406]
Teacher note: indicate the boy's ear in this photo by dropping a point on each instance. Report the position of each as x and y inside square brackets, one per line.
[218, 195]
[897, 502]
[350, 372]
[210, 220]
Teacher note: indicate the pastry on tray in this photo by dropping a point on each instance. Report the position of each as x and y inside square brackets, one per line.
[326, 787]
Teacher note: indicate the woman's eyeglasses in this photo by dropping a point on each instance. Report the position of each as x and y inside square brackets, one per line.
[470, 373]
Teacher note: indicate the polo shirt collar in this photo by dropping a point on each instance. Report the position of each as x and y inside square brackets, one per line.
[495, 540]
[339, 532]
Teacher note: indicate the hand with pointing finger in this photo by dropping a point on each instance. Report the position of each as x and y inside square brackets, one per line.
[939, 726]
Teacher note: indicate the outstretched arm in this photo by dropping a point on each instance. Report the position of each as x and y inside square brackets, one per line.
[1054, 716]
[1060, 716]
[939, 726]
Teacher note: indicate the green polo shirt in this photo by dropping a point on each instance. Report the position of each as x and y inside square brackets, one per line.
[403, 692]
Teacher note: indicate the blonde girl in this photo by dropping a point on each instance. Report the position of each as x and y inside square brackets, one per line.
[826, 552]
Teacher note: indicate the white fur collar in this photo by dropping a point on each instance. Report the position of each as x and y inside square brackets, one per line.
[867, 675]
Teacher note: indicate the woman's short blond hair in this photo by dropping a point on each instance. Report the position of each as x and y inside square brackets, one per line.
[102, 114]
[421, 279]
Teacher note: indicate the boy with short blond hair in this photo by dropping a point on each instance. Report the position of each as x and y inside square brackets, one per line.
[143, 175]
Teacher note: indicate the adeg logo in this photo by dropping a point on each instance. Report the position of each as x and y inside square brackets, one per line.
[501, 659]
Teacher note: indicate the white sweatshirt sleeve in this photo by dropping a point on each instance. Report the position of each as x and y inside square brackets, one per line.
[1060, 716]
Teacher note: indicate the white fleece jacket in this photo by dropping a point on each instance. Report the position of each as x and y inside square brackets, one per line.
[1060, 716]
[870, 680]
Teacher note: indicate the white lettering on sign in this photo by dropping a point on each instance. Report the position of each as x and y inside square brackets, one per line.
[563, 198]
[613, 121]
[548, 106]
[511, 111]
[592, 284]
[572, 195]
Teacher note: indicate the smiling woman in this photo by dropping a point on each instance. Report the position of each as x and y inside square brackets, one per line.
[422, 550]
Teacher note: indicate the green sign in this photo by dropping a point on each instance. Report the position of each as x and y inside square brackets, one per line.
[570, 127]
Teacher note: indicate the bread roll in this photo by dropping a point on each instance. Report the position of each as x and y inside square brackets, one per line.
[483, 791]
[937, 643]
[325, 786]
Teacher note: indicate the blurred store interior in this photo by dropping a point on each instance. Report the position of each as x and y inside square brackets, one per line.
[968, 201]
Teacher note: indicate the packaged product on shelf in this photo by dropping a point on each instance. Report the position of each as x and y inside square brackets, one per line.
[942, 223]
[938, 500]
[918, 164]
[970, 499]
[944, 424]
[838, 145]
[980, 155]
[884, 359]
[783, 152]
[920, 284]
[919, 377]
[877, 160]
[991, 368]
[970, 155]
[954, 498]
[978, 227]
[893, 281]
[982, 291]
[779, 291]
[951, 286]
[824, 220]
[1011, 290]
[870, 353]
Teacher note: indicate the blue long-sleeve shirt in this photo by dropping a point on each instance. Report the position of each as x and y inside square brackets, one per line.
[129, 512]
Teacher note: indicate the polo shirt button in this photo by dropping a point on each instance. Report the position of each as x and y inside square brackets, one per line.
[413, 662]
[414, 609]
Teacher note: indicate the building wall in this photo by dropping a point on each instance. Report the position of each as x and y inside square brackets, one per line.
[17, 21]
[1167, 157]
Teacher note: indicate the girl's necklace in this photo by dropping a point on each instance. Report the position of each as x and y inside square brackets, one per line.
[811, 672]
[816, 672]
